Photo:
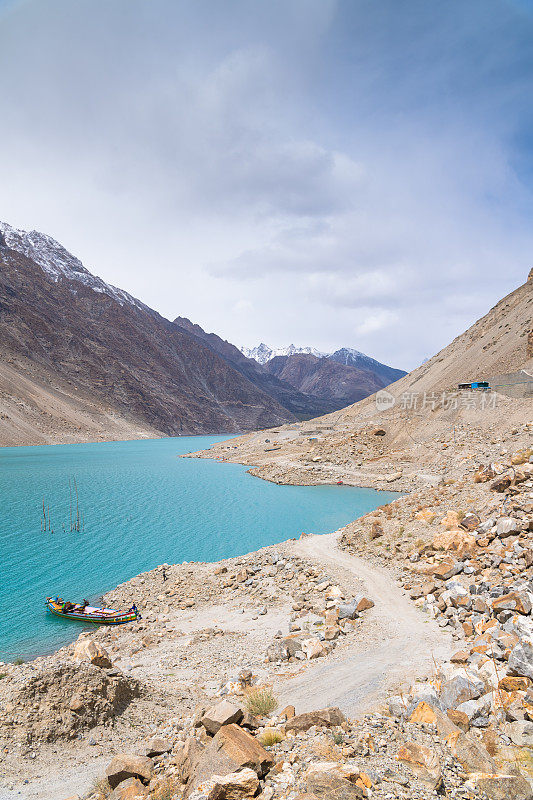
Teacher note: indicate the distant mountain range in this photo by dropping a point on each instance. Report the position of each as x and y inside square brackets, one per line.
[290, 397]
[342, 377]
[263, 353]
[346, 355]
[83, 360]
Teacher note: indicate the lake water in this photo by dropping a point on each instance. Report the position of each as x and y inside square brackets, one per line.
[142, 506]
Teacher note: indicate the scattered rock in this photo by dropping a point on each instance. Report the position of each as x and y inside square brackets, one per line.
[502, 787]
[326, 718]
[223, 713]
[125, 766]
[514, 601]
[236, 785]
[87, 649]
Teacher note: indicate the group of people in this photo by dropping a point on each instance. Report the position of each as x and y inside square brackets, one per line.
[69, 607]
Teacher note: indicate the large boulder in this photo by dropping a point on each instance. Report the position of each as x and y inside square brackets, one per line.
[459, 688]
[451, 520]
[283, 649]
[520, 733]
[126, 765]
[232, 749]
[348, 610]
[325, 718]
[157, 747]
[501, 483]
[313, 648]
[86, 649]
[506, 526]
[187, 758]
[236, 785]
[514, 601]
[473, 756]
[131, 789]
[329, 786]
[362, 603]
[476, 709]
[56, 700]
[223, 713]
[502, 787]
[456, 540]
[521, 659]
[242, 749]
[423, 762]
[443, 570]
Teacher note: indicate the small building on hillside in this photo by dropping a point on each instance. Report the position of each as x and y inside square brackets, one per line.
[480, 385]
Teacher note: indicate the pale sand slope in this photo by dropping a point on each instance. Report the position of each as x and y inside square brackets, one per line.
[37, 410]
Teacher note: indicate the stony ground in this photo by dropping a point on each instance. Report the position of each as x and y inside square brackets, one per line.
[314, 628]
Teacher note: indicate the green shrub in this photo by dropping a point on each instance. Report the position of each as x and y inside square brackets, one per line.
[270, 736]
[260, 702]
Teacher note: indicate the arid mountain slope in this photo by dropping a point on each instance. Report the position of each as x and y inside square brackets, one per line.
[62, 330]
[428, 430]
[297, 402]
[496, 344]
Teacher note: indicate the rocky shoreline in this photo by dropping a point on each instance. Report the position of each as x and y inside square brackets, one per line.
[175, 697]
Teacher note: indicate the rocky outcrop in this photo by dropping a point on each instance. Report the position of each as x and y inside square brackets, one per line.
[63, 698]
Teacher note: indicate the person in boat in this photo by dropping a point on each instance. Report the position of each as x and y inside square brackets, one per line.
[81, 606]
[67, 607]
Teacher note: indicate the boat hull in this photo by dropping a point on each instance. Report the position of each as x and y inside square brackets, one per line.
[109, 616]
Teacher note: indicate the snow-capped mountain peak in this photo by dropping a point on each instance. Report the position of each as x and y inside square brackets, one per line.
[263, 353]
[58, 263]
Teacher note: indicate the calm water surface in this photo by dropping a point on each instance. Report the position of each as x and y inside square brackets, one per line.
[142, 506]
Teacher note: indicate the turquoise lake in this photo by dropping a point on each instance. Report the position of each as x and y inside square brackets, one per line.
[142, 506]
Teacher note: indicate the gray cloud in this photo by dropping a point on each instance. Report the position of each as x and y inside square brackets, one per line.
[329, 173]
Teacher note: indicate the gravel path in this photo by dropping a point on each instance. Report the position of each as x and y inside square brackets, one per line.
[398, 641]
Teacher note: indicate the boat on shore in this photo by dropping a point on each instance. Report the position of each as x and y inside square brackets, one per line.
[83, 612]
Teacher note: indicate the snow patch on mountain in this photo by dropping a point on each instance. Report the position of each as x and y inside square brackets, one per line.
[59, 264]
[263, 353]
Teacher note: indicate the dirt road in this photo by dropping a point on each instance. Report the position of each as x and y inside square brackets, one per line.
[398, 641]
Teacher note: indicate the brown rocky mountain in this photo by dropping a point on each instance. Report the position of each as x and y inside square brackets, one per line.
[82, 360]
[326, 378]
[301, 402]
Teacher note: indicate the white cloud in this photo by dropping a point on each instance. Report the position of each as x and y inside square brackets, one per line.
[347, 171]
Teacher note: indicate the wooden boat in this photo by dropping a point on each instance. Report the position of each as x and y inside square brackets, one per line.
[80, 613]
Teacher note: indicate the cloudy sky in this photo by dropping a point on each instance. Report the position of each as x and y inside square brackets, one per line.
[324, 172]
